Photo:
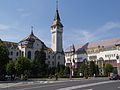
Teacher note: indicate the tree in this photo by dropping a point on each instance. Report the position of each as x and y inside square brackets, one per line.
[89, 69]
[10, 69]
[4, 59]
[84, 69]
[39, 66]
[67, 71]
[22, 66]
[60, 70]
[108, 68]
[93, 68]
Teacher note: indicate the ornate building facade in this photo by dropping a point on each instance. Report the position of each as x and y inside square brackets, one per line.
[101, 52]
[30, 46]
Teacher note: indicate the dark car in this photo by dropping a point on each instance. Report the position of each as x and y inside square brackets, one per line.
[2, 78]
[115, 77]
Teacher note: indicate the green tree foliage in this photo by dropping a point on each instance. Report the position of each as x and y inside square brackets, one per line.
[10, 68]
[60, 70]
[108, 68]
[89, 69]
[39, 66]
[4, 59]
[84, 69]
[93, 68]
[22, 65]
[67, 71]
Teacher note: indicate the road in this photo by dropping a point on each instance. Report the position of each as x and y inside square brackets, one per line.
[77, 84]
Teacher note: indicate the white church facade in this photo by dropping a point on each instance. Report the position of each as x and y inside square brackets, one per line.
[30, 46]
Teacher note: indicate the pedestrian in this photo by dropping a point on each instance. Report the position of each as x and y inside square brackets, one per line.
[56, 77]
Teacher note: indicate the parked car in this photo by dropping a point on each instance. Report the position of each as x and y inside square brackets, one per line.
[115, 77]
[2, 78]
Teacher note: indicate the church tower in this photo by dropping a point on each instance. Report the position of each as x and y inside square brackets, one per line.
[57, 30]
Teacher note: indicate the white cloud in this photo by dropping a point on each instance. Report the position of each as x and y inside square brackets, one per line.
[109, 26]
[20, 9]
[4, 27]
[23, 12]
[26, 14]
[79, 36]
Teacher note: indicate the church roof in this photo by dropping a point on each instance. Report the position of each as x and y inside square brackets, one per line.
[10, 44]
[31, 38]
[105, 43]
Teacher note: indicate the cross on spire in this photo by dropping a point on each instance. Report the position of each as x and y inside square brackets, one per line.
[56, 4]
[57, 17]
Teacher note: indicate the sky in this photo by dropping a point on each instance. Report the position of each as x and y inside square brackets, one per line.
[84, 20]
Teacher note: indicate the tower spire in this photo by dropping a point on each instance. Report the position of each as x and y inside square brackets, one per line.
[57, 17]
[56, 4]
[32, 30]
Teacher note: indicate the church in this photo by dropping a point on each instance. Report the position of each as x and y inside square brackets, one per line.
[30, 46]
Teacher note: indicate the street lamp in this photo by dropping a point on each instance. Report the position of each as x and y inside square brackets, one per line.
[72, 60]
[70, 69]
[117, 57]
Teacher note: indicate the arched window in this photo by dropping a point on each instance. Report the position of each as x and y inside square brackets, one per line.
[37, 53]
[29, 55]
[16, 53]
[58, 57]
[11, 52]
[52, 62]
[22, 53]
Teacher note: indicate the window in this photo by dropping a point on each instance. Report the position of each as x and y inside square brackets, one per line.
[68, 59]
[53, 57]
[29, 55]
[48, 56]
[52, 62]
[10, 58]
[37, 53]
[11, 53]
[48, 62]
[16, 53]
[58, 57]
[22, 53]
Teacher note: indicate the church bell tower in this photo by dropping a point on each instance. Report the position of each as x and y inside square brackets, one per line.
[57, 30]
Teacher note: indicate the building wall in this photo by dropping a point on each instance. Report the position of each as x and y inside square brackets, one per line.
[96, 54]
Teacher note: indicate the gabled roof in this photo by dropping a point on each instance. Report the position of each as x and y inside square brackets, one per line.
[31, 37]
[105, 43]
[10, 44]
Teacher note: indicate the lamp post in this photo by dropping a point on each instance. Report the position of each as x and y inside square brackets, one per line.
[118, 61]
[70, 69]
[72, 60]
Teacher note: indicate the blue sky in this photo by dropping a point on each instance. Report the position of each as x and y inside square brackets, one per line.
[83, 20]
